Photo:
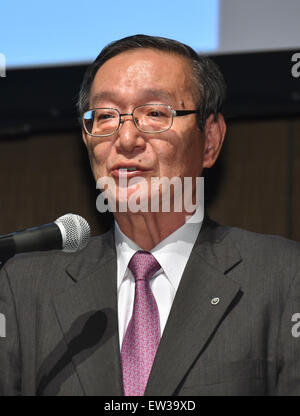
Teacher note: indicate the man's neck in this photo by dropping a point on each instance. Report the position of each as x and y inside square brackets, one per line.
[149, 229]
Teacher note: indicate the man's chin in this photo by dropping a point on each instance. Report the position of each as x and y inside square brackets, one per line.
[130, 200]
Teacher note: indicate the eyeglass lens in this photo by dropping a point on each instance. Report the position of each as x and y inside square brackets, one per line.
[147, 118]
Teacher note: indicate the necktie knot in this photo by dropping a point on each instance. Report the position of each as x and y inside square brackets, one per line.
[143, 265]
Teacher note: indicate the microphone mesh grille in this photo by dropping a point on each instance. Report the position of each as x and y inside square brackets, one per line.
[77, 232]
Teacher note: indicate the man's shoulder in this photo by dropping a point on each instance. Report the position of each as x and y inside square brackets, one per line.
[250, 241]
[267, 255]
[42, 271]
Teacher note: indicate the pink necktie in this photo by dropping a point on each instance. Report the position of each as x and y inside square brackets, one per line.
[143, 332]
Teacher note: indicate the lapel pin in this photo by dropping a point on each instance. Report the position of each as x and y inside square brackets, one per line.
[215, 301]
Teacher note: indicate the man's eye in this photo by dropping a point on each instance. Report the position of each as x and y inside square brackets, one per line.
[105, 116]
[155, 114]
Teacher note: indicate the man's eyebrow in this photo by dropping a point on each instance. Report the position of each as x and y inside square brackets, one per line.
[157, 93]
[100, 96]
[111, 95]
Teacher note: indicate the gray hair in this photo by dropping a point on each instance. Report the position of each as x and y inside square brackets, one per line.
[209, 85]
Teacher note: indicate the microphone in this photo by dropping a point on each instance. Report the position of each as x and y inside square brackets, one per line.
[69, 233]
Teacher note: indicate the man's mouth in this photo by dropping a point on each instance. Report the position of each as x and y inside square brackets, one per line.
[127, 171]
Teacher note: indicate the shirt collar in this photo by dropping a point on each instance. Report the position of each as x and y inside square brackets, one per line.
[177, 245]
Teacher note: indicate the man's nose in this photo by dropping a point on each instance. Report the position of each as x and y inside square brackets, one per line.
[129, 137]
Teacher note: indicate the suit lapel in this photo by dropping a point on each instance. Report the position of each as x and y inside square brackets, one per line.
[195, 316]
[88, 317]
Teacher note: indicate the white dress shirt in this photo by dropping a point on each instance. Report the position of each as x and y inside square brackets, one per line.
[172, 254]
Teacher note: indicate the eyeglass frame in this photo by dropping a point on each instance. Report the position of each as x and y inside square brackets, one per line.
[175, 113]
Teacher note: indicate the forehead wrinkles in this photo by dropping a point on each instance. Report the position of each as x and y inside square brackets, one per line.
[144, 68]
[140, 70]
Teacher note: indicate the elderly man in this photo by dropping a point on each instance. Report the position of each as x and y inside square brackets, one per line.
[167, 302]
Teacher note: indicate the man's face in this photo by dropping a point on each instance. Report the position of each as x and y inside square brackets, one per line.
[135, 78]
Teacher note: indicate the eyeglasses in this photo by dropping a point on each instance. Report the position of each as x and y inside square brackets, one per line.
[148, 118]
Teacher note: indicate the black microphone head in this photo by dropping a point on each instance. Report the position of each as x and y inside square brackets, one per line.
[75, 232]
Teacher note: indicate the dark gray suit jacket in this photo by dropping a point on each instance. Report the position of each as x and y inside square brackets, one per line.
[62, 327]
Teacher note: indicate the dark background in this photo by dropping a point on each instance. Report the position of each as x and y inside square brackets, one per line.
[44, 168]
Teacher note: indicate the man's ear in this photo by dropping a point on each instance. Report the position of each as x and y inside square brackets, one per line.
[214, 134]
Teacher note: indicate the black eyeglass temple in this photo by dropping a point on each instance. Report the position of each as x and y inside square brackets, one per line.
[185, 112]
